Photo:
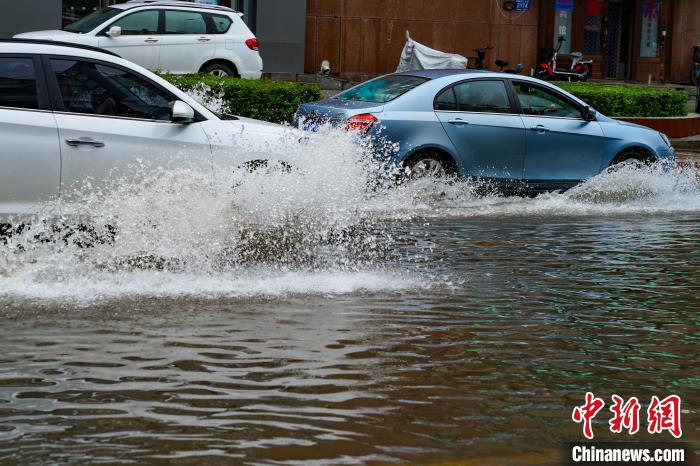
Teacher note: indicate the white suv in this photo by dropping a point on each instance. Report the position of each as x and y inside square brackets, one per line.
[70, 113]
[173, 36]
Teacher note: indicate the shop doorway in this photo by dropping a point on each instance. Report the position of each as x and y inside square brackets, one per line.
[618, 45]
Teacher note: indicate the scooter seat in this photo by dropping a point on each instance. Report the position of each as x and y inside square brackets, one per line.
[501, 63]
[578, 55]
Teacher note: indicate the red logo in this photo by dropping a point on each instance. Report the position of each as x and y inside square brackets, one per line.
[665, 415]
[587, 412]
[626, 415]
[661, 415]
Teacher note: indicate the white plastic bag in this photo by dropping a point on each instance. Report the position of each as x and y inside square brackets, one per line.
[416, 56]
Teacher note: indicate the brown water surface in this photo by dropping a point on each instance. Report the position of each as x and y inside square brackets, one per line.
[508, 324]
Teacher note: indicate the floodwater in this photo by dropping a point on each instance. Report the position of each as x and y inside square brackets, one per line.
[305, 318]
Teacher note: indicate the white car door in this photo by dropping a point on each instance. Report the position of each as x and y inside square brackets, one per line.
[185, 42]
[139, 41]
[115, 124]
[30, 159]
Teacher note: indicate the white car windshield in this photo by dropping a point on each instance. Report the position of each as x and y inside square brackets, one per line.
[92, 20]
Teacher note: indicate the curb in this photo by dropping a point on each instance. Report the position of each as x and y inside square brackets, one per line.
[691, 144]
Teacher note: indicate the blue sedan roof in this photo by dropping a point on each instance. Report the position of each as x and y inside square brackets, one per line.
[434, 74]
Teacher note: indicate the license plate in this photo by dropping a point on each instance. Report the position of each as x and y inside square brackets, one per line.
[312, 124]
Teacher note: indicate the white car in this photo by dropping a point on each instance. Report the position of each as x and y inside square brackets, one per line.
[70, 113]
[172, 36]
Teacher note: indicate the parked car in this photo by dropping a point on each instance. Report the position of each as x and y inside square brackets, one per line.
[514, 131]
[173, 36]
[70, 113]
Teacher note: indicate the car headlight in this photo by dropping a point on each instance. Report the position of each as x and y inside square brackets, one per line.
[666, 139]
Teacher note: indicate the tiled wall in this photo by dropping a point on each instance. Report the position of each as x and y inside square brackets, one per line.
[363, 38]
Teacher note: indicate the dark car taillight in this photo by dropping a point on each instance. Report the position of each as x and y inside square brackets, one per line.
[253, 44]
[361, 123]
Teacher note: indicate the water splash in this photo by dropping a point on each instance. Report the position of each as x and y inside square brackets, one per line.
[268, 230]
[322, 226]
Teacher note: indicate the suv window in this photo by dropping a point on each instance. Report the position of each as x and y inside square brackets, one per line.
[221, 23]
[142, 23]
[18, 83]
[97, 89]
[535, 100]
[91, 21]
[482, 96]
[185, 22]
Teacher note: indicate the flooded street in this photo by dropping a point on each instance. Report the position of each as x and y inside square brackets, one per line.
[421, 325]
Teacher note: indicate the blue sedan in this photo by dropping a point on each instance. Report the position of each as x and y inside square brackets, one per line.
[513, 131]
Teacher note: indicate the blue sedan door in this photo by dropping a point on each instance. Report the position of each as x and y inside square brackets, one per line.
[562, 147]
[489, 135]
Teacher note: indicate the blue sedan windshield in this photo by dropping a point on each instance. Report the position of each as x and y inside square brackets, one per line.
[382, 90]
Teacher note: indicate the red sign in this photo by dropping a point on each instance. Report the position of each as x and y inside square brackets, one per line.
[594, 8]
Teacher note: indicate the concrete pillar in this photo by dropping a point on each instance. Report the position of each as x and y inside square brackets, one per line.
[30, 15]
[281, 29]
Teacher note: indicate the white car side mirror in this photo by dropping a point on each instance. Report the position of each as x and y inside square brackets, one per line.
[114, 31]
[182, 113]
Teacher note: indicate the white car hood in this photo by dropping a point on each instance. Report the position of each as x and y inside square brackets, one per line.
[244, 139]
[51, 34]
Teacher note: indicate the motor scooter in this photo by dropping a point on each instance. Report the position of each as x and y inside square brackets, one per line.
[580, 69]
[480, 58]
[480, 62]
[501, 64]
[695, 76]
[695, 70]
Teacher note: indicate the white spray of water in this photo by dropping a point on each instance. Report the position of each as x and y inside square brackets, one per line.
[323, 226]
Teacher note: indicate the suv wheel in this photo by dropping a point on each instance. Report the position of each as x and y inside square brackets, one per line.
[219, 69]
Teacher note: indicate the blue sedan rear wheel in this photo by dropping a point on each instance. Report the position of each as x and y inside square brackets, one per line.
[431, 164]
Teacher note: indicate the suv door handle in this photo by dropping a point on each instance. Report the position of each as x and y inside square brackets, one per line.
[204, 39]
[84, 142]
[151, 40]
[540, 129]
[458, 121]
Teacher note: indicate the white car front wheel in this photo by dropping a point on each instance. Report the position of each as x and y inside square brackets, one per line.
[219, 69]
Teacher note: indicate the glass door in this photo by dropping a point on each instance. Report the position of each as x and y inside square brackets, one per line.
[618, 45]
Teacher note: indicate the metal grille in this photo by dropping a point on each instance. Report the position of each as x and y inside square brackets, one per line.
[592, 29]
[613, 45]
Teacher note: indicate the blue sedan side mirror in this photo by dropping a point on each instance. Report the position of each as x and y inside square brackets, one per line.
[588, 114]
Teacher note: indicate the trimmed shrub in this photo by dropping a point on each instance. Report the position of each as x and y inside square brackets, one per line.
[618, 100]
[273, 101]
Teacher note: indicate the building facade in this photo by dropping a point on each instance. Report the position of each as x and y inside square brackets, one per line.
[627, 39]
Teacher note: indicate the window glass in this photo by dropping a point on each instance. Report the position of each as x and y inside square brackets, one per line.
[482, 96]
[138, 24]
[651, 11]
[18, 83]
[563, 11]
[382, 90]
[91, 21]
[104, 90]
[446, 100]
[537, 101]
[184, 22]
[221, 23]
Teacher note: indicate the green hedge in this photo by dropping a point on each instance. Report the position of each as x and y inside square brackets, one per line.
[273, 101]
[618, 100]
